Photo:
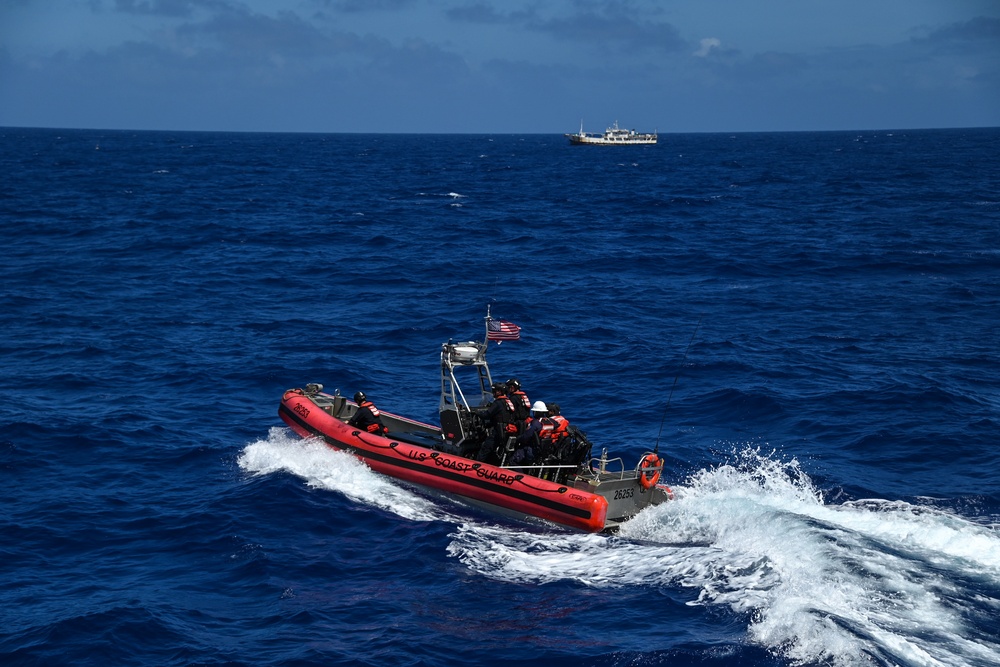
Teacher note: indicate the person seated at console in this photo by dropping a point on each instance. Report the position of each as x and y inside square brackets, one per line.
[534, 441]
[367, 418]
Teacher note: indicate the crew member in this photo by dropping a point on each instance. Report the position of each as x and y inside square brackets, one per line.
[560, 430]
[534, 442]
[500, 415]
[561, 423]
[521, 402]
[367, 418]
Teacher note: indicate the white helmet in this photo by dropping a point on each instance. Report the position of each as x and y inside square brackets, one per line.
[539, 407]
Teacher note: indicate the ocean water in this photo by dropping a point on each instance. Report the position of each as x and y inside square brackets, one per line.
[805, 324]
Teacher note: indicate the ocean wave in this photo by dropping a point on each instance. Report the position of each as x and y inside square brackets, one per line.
[818, 583]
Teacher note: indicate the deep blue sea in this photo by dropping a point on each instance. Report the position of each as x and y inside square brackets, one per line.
[807, 324]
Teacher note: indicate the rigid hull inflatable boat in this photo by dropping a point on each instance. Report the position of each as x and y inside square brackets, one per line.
[570, 489]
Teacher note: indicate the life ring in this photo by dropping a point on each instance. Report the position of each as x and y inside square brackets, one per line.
[648, 462]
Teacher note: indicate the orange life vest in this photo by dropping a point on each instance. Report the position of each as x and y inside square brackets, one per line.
[561, 425]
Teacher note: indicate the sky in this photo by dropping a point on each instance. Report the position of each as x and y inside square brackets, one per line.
[499, 66]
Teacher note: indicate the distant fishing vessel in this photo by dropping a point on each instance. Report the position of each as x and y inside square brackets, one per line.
[613, 136]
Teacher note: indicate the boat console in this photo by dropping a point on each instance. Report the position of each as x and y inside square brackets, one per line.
[461, 426]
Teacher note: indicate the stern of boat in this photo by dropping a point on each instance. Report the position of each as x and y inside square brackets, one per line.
[628, 492]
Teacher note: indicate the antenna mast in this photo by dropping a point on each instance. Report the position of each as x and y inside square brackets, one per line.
[656, 448]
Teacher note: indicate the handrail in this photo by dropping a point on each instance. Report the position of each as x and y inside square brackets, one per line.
[603, 462]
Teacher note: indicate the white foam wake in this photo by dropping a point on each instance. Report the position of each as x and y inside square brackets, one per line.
[325, 468]
[842, 584]
[850, 584]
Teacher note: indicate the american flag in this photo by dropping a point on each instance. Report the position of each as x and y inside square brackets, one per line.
[501, 330]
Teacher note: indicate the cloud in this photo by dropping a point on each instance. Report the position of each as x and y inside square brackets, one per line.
[981, 29]
[468, 65]
[976, 38]
[708, 44]
[484, 14]
[166, 8]
[619, 31]
[616, 26]
[362, 6]
[245, 34]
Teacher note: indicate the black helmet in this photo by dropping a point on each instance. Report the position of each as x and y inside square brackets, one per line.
[360, 397]
[513, 384]
[499, 387]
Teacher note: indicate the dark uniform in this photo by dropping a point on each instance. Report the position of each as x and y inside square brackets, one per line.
[500, 415]
[367, 418]
[535, 440]
[560, 432]
[520, 401]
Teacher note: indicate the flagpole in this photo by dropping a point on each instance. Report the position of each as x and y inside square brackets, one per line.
[486, 341]
[502, 330]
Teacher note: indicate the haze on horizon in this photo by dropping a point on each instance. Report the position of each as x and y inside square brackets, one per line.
[486, 66]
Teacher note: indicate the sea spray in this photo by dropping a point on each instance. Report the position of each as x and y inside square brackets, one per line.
[325, 468]
[817, 583]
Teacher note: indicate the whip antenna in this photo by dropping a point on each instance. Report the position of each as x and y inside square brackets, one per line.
[656, 448]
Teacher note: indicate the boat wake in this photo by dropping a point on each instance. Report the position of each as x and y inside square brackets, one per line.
[326, 468]
[857, 583]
